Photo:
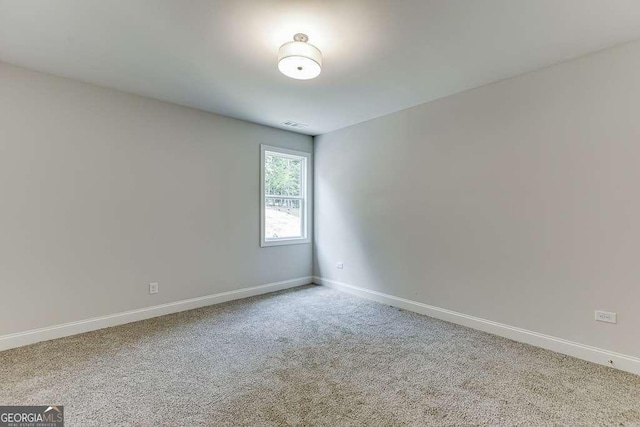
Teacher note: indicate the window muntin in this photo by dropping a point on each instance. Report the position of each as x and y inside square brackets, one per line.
[284, 202]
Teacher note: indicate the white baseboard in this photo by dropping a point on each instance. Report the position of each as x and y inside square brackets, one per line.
[58, 331]
[570, 348]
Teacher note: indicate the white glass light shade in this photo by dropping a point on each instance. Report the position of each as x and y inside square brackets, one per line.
[299, 60]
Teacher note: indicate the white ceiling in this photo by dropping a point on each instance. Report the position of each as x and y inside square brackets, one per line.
[380, 56]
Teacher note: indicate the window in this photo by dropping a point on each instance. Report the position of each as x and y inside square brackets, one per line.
[285, 207]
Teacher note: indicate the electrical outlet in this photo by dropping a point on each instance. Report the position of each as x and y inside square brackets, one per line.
[153, 288]
[605, 316]
[339, 265]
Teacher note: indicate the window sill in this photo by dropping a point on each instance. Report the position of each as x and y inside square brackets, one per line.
[267, 243]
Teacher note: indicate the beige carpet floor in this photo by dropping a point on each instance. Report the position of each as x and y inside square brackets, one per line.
[311, 356]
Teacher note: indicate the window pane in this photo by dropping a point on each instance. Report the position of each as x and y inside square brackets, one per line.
[283, 175]
[282, 218]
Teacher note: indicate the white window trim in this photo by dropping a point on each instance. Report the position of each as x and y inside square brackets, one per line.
[306, 193]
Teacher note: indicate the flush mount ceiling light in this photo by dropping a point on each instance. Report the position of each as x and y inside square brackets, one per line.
[299, 59]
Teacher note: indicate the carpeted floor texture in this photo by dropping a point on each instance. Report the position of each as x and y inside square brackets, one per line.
[311, 356]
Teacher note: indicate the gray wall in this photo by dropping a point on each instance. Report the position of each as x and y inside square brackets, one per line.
[103, 192]
[517, 202]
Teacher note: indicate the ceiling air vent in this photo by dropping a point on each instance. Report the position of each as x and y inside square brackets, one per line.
[292, 124]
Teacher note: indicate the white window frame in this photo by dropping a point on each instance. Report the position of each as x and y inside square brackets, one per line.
[305, 197]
